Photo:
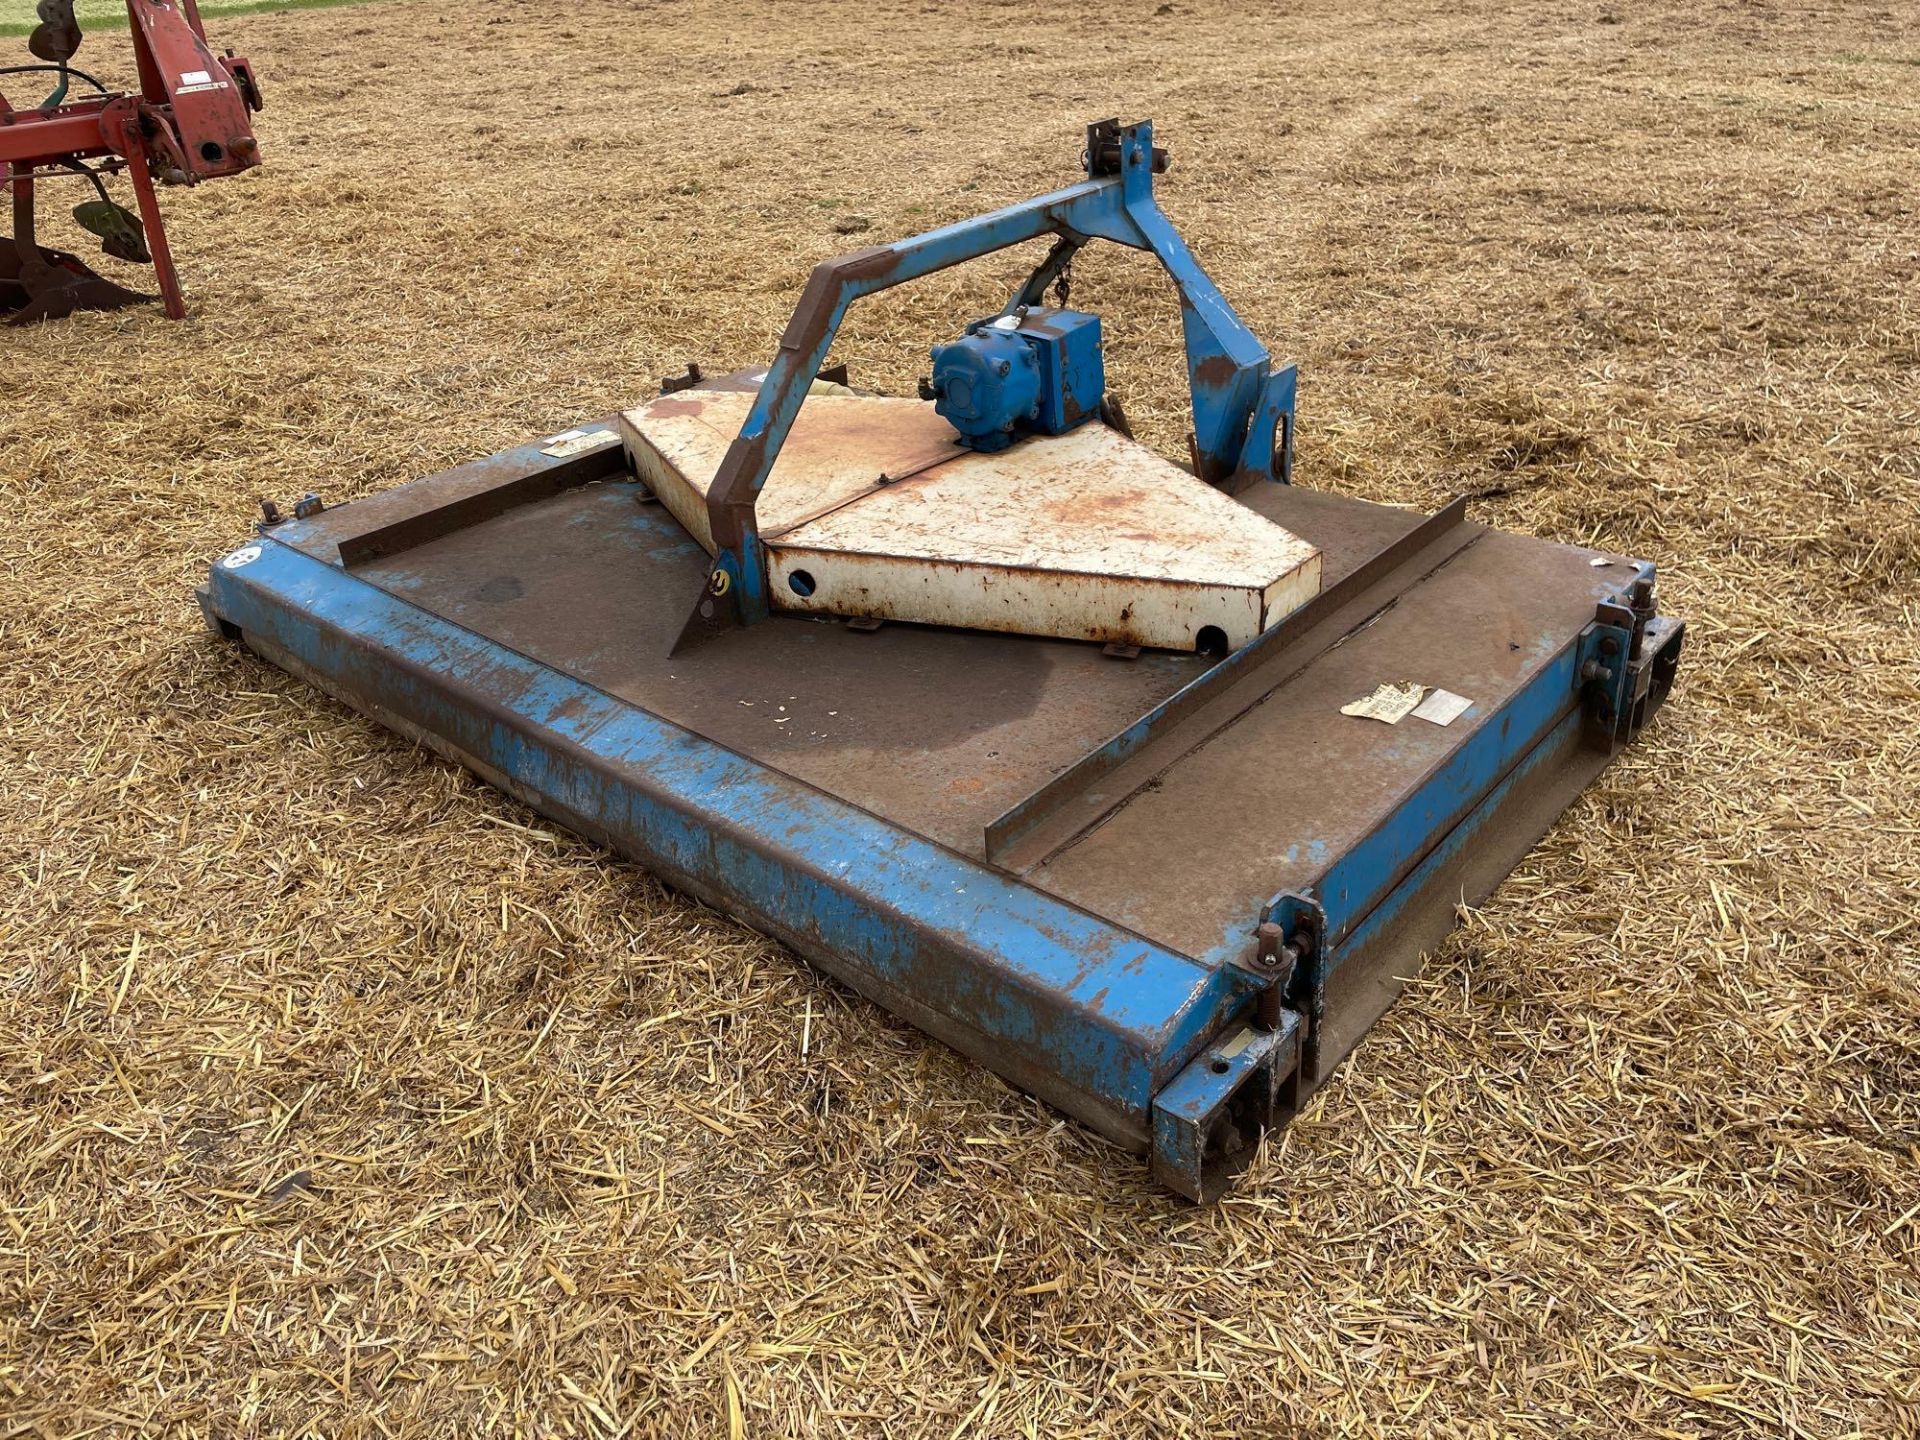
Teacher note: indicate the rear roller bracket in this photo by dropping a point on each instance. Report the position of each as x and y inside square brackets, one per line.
[1208, 1121]
[1628, 659]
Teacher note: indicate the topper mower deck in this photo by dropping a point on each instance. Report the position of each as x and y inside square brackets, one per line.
[1098, 813]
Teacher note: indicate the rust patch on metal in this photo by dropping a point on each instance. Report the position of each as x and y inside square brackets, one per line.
[1216, 371]
[873, 262]
[1071, 507]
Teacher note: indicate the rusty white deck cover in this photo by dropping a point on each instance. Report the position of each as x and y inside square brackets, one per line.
[1088, 535]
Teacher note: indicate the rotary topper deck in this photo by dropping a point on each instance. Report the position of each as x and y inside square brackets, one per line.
[1021, 730]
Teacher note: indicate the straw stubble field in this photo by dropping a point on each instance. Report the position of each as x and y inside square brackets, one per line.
[340, 1095]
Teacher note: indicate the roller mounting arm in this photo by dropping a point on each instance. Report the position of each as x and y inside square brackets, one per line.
[1242, 414]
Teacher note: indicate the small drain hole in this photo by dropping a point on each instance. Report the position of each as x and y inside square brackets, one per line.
[800, 582]
[1210, 640]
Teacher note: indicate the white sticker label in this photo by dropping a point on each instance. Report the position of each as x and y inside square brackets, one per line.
[245, 555]
[1442, 707]
[1234, 1046]
[195, 77]
[1388, 703]
[576, 442]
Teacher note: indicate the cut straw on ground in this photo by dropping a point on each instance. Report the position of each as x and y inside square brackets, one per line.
[340, 1095]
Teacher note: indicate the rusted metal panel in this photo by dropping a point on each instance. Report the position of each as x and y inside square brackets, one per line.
[594, 581]
[1279, 796]
[843, 446]
[1241, 679]
[591, 579]
[452, 501]
[872, 511]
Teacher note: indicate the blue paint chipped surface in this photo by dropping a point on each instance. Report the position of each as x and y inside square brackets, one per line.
[1564, 734]
[1185, 1111]
[1111, 1014]
[1359, 879]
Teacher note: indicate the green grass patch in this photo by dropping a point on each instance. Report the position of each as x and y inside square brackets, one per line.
[1857, 57]
[18, 17]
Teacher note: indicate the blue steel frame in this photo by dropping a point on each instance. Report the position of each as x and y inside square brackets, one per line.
[1183, 1056]
[1084, 1013]
[1242, 414]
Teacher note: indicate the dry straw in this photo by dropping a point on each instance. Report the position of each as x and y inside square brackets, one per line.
[341, 1096]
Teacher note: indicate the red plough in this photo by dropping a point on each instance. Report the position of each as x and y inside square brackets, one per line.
[190, 121]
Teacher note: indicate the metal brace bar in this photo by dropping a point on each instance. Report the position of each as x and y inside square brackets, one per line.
[1226, 364]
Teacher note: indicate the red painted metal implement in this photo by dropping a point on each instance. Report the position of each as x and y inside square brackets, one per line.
[188, 122]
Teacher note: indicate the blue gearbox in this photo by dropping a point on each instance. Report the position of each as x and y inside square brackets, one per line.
[986, 384]
[1036, 371]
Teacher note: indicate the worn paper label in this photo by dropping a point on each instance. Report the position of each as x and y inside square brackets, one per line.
[1390, 703]
[575, 442]
[1442, 707]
